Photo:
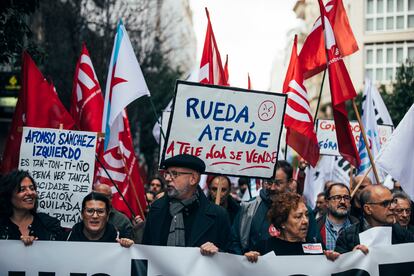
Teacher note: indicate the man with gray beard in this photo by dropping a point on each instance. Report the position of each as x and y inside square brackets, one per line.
[338, 215]
[184, 217]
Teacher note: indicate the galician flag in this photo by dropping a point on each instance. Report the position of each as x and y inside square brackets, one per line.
[371, 128]
[125, 83]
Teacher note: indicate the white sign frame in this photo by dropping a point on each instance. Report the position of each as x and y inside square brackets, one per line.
[63, 171]
[327, 137]
[240, 115]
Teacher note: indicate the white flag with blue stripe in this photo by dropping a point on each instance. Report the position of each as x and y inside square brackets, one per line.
[125, 83]
[371, 128]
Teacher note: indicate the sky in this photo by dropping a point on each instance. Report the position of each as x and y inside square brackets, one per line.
[251, 32]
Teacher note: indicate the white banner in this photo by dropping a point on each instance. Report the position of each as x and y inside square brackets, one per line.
[62, 163]
[234, 131]
[81, 259]
[325, 131]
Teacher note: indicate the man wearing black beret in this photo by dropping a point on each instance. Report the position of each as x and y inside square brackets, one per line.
[184, 217]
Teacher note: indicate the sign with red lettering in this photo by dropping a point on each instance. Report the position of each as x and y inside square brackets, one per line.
[325, 131]
[234, 131]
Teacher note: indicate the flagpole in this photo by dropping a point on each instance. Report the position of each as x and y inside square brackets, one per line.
[319, 98]
[132, 184]
[157, 117]
[360, 182]
[116, 186]
[219, 188]
[371, 159]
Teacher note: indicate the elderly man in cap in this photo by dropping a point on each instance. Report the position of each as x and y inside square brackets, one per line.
[184, 217]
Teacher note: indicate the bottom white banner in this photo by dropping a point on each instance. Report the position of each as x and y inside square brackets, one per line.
[49, 258]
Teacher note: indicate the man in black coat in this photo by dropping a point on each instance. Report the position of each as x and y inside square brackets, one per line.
[184, 216]
[378, 206]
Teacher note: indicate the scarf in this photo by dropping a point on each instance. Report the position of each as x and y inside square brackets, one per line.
[176, 236]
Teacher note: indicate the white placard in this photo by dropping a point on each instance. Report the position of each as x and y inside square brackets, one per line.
[376, 236]
[95, 258]
[325, 131]
[234, 131]
[62, 164]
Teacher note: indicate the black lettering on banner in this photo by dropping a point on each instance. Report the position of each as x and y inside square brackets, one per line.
[47, 274]
[17, 273]
[84, 274]
[352, 272]
[400, 269]
[139, 267]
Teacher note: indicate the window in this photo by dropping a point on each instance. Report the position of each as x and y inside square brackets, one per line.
[382, 60]
[388, 15]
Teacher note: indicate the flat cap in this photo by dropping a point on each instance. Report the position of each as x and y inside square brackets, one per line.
[185, 161]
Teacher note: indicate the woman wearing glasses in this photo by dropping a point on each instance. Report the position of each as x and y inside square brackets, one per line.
[18, 217]
[289, 215]
[94, 226]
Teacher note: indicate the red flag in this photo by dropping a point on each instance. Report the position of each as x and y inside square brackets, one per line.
[249, 83]
[38, 106]
[226, 69]
[298, 120]
[211, 67]
[122, 165]
[342, 90]
[87, 100]
[313, 54]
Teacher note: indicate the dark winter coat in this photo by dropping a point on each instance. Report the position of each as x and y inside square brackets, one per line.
[349, 238]
[76, 234]
[203, 222]
[43, 227]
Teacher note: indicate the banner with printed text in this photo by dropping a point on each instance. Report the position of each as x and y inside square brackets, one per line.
[325, 131]
[234, 131]
[54, 258]
[62, 164]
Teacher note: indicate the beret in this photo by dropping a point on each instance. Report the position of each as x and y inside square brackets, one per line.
[185, 161]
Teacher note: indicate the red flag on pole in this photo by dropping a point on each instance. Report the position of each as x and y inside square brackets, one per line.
[298, 121]
[87, 100]
[249, 82]
[342, 90]
[211, 67]
[226, 69]
[38, 106]
[122, 165]
[313, 54]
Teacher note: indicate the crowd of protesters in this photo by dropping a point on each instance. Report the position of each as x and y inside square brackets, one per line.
[181, 213]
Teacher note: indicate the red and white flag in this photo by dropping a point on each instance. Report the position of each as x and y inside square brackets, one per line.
[313, 55]
[298, 121]
[249, 82]
[38, 106]
[342, 90]
[87, 100]
[211, 67]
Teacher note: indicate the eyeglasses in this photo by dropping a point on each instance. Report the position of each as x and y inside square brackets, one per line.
[338, 198]
[401, 210]
[277, 182]
[90, 212]
[174, 174]
[384, 203]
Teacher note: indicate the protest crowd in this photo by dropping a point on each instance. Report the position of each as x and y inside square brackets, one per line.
[180, 214]
[262, 204]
